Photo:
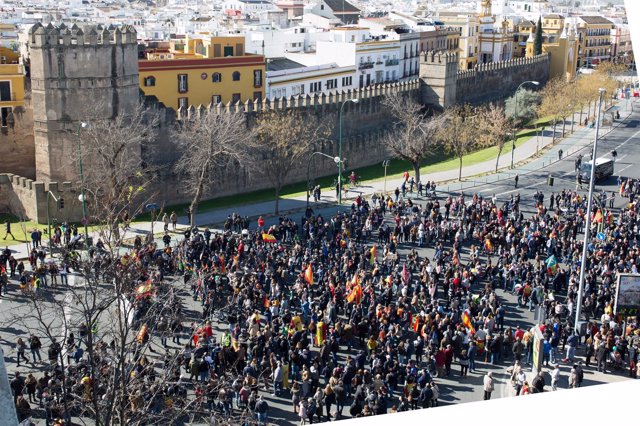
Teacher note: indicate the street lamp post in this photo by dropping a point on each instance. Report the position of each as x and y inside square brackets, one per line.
[83, 125]
[50, 194]
[355, 101]
[335, 159]
[587, 226]
[515, 115]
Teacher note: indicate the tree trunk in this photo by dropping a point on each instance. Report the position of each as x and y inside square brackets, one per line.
[564, 125]
[498, 157]
[581, 111]
[553, 137]
[460, 170]
[416, 170]
[589, 110]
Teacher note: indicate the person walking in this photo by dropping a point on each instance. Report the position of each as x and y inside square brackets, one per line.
[21, 347]
[578, 182]
[174, 220]
[516, 179]
[555, 377]
[7, 229]
[488, 385]
[262, 411]
[35, 345]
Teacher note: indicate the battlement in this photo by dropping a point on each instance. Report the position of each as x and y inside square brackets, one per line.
[321, 102]
[439, 57]
[90, 35]
[502, 65]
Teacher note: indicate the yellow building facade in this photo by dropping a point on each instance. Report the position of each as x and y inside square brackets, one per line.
[563, 53]
[594, 33]
[11, 84]
[200, 70]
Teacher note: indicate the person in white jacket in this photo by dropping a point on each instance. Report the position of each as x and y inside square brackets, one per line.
[555, 377]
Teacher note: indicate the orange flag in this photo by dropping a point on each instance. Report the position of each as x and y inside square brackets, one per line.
[373, 254]
[308, 275]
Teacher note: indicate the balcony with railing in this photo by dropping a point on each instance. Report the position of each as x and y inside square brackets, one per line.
[391, 62]
[365, 65]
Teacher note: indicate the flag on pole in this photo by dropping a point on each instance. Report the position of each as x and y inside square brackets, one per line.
[466, 320]
[405, 274]
[308, 275]
[552, 265]
[355, 280]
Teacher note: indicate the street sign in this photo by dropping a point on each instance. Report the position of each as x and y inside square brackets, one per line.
[600, 236]
[84, 221]
[385, 163]
[151, 206]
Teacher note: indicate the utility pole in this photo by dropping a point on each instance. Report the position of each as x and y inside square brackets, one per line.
[587, 227]
[385, 164]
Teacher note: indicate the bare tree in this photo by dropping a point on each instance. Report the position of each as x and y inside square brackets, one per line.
[459, 133]
[208, 143]
[414, 134]
[493, 128]
[115, 174]
[554, 103]
[283, 140]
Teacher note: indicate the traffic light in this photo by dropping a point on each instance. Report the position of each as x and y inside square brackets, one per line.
[61, 203]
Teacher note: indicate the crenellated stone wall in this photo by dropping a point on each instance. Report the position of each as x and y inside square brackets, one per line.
[498, 80]
[29, 198]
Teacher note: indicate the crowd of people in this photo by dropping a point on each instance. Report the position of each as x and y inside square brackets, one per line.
[349, 314]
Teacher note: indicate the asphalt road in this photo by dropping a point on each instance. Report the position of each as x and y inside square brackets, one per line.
[533, 177]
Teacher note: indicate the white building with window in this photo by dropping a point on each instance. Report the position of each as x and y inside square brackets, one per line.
[377, 59]
[248, 6]
[318, 79]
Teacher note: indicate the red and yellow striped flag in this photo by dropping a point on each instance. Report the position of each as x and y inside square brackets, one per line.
[466, 320]
[373, 254]
[308, 275]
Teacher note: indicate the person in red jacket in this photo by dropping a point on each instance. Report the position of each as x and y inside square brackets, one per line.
[448, 359]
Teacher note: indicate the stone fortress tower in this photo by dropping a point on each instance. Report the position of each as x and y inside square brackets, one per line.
[77, 74]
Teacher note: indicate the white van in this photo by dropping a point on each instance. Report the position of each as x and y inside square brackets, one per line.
[604, 169]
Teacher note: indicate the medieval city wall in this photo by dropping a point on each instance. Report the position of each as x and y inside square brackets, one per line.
[498, 80]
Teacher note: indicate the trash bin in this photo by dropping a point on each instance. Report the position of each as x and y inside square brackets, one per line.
[550, 180]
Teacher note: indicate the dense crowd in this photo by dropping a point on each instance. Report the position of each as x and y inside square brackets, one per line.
[346, 313]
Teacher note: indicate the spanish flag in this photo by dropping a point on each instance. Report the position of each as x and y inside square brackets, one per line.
[598, 218]
[373, 254]
[223, 267]
[466, 320]
[144, 289]
[355, 280]
[308, 275]
[415, 326]
[355, 295]
[268, 238]
[488, 244]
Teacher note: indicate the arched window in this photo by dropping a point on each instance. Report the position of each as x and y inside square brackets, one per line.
[216, 77]
[236, 76]
[149, 81]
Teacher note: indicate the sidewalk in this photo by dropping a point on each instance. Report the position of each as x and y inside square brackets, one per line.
[531, 156]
